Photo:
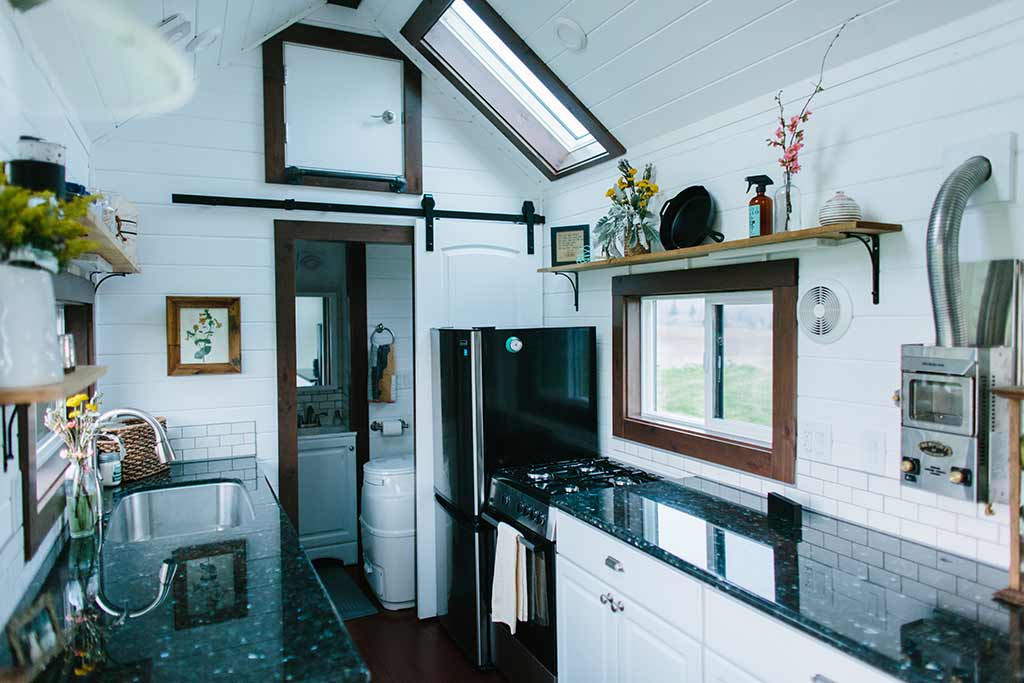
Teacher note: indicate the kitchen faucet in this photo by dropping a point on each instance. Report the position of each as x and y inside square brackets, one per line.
[169, 567]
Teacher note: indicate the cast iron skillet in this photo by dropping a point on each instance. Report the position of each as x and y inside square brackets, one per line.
[687, 219]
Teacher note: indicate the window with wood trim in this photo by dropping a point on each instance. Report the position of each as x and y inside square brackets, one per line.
[327, 68]
[480, 54]
[704, 364]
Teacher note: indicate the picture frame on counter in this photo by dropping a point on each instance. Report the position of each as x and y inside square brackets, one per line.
[211, 584]
[35, 635]
[568, 244]
[204, 335]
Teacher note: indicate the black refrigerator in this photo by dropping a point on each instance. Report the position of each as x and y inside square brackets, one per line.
[502, 397]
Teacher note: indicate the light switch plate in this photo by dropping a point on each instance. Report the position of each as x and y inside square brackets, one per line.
[814, 441]
[872, 445]
[1001, 151]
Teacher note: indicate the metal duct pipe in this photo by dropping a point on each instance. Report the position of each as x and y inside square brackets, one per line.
[943, 245]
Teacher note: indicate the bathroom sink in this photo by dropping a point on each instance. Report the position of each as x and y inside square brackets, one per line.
[180, 510]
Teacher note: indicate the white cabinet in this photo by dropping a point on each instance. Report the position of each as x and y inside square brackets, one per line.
[327, 496]
[605, 636]
[718, 670]
[587, 628]
[652, 650]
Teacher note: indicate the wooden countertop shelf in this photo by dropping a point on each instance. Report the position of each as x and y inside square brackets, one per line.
[836, 232]
[110, 247]
[73, 382]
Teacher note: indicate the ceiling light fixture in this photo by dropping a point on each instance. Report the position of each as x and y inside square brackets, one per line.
[570, 34]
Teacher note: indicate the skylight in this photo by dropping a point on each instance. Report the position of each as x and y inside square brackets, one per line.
[481, 55]
[510, 70]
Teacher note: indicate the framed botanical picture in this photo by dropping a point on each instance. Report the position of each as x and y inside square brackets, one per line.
[35, 635]
[568, 243]
[204, 335]
[211, 584]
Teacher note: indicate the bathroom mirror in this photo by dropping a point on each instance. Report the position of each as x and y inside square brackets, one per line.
[316, 346]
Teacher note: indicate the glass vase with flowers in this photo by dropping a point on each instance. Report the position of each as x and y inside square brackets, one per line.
[76, 425]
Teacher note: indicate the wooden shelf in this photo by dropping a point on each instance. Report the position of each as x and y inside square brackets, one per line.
[110, 247]
[1014, 393]
[836, 233]
[73, 382]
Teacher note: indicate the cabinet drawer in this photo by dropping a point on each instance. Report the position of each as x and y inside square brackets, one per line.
[665, 591]
[718, 670]
[752, 641]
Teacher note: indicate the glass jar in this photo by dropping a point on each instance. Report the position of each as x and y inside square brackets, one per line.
[83, 498]
[787, 207]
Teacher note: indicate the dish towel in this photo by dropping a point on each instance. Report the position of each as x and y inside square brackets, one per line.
[382, 373]
[506, 596]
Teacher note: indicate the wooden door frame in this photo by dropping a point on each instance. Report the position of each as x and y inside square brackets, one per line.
[356, 236]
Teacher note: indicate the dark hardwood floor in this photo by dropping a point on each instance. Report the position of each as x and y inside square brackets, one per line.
[399, 648]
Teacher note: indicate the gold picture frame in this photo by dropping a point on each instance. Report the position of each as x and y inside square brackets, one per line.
[204, 335]
[35, 635]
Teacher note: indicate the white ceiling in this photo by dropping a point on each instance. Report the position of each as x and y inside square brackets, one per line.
[651, 66]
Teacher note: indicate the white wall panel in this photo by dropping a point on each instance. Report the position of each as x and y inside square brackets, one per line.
[878, 132]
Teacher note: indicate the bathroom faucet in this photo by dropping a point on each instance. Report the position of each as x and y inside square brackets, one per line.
[163, 446]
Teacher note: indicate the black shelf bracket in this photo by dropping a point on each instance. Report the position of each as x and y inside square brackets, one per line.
[574, 280]
[428, 205]
[106, 276]
[873, 244]
[529, 216]
[8, 433]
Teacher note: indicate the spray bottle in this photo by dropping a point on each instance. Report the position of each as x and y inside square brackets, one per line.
[761, 213]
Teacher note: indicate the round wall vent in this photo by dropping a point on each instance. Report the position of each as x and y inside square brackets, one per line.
[825, 311]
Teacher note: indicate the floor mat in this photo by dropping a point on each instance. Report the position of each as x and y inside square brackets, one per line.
[348, 598]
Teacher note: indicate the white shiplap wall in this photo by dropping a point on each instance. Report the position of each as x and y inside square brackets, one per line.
[389, 301]
[214, 145]
[878, 132]
[32, 103]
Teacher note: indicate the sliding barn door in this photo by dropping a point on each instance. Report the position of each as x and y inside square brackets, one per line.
[479, 274]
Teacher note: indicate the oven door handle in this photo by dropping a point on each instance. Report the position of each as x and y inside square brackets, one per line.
[529, 545]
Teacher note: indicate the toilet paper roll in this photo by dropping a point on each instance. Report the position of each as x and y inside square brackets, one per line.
[391, 428]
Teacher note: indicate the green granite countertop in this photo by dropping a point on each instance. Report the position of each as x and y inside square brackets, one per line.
[245, 605]
[916, 612]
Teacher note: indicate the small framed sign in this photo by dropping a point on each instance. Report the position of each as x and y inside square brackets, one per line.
[204, 335]
[568, 243]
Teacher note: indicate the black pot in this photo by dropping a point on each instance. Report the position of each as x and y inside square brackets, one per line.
[688, 219]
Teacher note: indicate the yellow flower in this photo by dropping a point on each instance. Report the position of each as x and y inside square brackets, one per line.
[610, 192]
[654, 188]
[76, 400]
[92, 407]
[74, 414]
[632, 171]
[622, 184]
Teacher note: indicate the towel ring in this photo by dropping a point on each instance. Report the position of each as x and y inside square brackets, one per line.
[379, 330]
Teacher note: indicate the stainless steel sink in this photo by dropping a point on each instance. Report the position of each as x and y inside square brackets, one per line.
[175, 511]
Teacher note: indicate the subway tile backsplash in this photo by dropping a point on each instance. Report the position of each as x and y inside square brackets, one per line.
[212, 441]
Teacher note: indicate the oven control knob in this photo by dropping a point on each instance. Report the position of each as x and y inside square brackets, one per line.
[542, 520]
[910, 466]
[506, 499]
[958, 476]
[520, 508]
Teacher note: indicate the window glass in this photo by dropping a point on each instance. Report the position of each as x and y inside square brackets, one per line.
[747, 350]
[707, 360]
[679, 343]
[48, 443]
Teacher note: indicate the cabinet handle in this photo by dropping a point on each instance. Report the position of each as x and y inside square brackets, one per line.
[387, 116]
[606, 598]
[613, 564]
[818, 678]
[351, 448]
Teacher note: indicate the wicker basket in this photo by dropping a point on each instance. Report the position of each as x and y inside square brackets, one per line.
[140, 460]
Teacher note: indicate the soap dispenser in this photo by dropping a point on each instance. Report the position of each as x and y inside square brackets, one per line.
[760, 221]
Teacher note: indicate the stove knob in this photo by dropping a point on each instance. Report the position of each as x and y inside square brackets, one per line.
[520, 508]
[506, 499]
[959, 477]
[542, 520]
[910, 466]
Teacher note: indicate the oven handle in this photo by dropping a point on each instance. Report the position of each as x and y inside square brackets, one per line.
[532, 547]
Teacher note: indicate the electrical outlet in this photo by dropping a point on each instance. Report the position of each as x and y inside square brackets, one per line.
[872, 446]
[814, 441]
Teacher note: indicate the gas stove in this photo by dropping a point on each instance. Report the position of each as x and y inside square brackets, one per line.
[524, 493]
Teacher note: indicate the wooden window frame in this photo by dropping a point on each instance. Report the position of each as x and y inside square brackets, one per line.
[777, 461]
[430, 11]
[273, 107]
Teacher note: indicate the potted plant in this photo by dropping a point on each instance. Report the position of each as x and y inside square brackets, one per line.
[39, 235]
[629, 222]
